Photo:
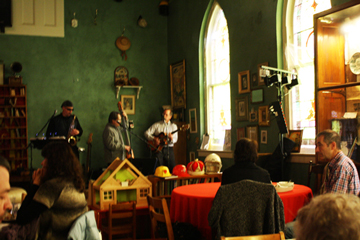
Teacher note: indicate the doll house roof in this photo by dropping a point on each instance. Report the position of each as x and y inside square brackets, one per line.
[120, 182]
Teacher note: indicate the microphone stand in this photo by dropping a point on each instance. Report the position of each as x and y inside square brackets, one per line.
[31, 144]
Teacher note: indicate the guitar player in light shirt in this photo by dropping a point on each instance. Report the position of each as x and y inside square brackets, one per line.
[163, 135]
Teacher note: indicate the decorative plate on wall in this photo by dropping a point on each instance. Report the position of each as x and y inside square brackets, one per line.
[355, 63]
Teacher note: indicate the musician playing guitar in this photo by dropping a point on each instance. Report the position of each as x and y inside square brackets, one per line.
[164, 146]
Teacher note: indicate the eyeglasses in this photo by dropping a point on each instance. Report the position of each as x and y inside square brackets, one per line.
[70, 109]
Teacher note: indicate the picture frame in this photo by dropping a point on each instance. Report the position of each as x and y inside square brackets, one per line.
[178, 85]
[240, 133]
[261, 80]
[264, 116]
[252, 132]
[253, 116]
[242, 112]
[128, 103]
[263, 138]
[254, 80]
[296, 137]
[244, 81]
[193, 120]
[227, 142]
[257, 96]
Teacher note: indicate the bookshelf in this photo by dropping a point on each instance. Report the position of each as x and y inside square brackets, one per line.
[162, 187]
[13, 126]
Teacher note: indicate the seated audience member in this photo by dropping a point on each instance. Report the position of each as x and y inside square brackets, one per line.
[57, 196]
[330, 216]
[341, 173]
[245, 156]
[5, 203]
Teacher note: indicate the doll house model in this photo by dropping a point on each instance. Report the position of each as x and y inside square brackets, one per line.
[120, 182]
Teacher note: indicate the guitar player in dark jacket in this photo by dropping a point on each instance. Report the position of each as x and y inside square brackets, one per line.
[163, 135]
[245, 156]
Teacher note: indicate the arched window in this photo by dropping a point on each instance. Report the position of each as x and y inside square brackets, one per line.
[299, 57]
[217, 77]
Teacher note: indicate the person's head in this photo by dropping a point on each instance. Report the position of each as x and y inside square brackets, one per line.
[329, 216]
[67, 108]
[246, 150]
[167, 113]
[5, 203]
[327, 144]
[115, 118]
[60, 161]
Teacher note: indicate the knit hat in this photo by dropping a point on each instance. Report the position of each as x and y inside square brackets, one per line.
[67, 103]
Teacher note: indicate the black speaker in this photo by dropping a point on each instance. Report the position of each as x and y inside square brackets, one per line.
[5, 14]
[276, 109]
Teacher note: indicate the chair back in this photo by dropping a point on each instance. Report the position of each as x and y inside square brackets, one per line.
[316, 169]
[159, 212]
[121, 220]
[275, 236]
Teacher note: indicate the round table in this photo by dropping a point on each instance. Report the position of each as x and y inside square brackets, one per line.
[192, 204]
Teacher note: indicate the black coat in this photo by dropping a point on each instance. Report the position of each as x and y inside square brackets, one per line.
[245, 170]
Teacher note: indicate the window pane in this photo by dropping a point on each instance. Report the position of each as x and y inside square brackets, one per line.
[217, 78]
[300, 56]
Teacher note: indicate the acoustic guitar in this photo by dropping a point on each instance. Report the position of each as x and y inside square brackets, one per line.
[129, 154]
[164, 139]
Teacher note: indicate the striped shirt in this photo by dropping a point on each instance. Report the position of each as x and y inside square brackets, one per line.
[341, 176]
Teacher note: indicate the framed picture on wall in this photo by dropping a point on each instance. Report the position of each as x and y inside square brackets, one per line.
[252, 132]
[193, 122]
[242, 109]
[240, 132]
[178, 85]
[296, 137]
[128, 104]
[264, 116]
[244, 81]
[263, 137]
[261, 80]
[254, 80]
[257, 95]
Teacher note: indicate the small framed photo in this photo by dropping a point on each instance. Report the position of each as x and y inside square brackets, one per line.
[253, 116]
[252, 132]
[128, 104]
[254, 80]
[178, 85]
[264, 116]
[193, 121]
[257, 96]
[244, 81]
[263, 139]
[240, 132]
[242, 112]
[261, 80]
[296, 137]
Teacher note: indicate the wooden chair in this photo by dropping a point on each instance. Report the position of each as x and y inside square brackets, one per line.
[275, 236]
[121, 220]
[159, 212]
[317, 169]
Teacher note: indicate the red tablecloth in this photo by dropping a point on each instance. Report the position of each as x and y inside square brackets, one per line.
[192, 203]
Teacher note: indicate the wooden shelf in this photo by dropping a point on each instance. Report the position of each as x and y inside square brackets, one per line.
[162, 187]
[13, 127]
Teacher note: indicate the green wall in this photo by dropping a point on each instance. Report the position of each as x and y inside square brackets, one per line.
[51, 67]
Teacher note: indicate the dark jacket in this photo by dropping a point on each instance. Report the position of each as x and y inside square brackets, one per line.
[245, 170]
